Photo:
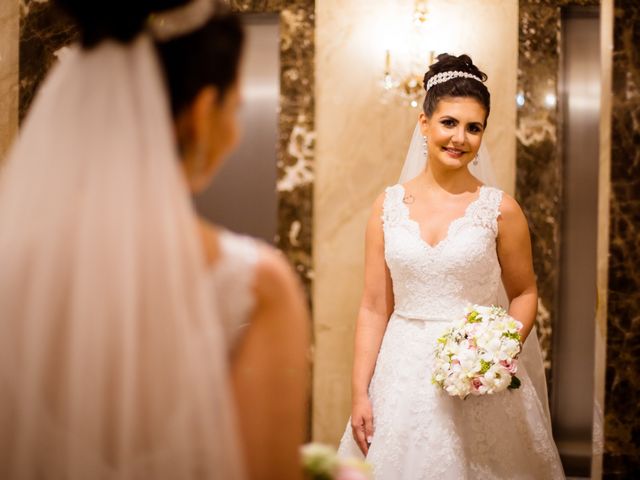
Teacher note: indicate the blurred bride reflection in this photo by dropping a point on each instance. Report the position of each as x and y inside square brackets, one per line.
[137, 339]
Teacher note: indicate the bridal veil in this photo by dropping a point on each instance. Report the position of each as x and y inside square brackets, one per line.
[112, 362]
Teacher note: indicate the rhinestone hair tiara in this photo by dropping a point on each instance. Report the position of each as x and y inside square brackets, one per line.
[446, 76]
[169, 24]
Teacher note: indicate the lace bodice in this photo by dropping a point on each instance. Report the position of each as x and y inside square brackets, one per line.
[232, 279]
[437, 282]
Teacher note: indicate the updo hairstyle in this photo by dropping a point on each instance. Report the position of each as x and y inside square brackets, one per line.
[208, 56]
[456, 87]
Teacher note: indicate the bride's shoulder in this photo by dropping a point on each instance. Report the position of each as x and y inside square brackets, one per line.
[271, 267]
[395, 189]
[272, 275]
[511, 213]
[243, 251]
[390, 195]
[509, 206]
[275, 278]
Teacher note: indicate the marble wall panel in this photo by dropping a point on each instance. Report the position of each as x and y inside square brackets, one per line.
[539, 154]
[296, 139]
[617, 397]
[539, 167]
[9, 31]
[604, 194]
[362, 142]
[43, 31]
[361, 146]
[622, 387]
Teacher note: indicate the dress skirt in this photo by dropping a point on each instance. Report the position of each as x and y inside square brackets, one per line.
[420, 432]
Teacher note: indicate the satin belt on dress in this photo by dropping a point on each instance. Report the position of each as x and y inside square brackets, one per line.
[424, 318]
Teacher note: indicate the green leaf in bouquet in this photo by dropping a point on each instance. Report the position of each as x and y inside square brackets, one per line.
[515, 383]
[484, 366]
[512, 335]
[474, 317]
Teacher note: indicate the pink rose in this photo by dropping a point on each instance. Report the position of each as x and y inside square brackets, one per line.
[476, 383]
[511, 366]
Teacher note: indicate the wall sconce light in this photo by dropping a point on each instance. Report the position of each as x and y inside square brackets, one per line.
[550, 100]
[409, 86]
[420, 12]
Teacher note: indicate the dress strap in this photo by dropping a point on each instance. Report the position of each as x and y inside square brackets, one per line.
[234, 277]
[241, 247]
[392, 207]
[486, 210]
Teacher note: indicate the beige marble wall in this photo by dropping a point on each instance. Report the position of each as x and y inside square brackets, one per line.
[361, 145]
[9, 30]
[604, 193]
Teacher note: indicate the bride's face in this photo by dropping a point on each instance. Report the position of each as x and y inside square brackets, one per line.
[454, 131]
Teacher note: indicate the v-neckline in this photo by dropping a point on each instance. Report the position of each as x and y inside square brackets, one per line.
[451, 224]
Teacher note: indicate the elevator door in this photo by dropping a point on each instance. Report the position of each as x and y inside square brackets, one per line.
[574, 347]
[242, 196]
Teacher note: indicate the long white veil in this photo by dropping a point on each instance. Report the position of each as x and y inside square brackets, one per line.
[112, 362]
[531, 356]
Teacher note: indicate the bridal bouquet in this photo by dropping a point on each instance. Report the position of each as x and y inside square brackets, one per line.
[320, 462]
[478, 355]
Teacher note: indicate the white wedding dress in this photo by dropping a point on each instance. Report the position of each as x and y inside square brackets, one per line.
[233, 280]
[420, 432]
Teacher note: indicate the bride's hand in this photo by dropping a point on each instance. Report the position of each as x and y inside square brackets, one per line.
[362, 423]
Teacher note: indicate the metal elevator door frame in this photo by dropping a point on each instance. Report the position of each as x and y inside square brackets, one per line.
[242, 196]
[573, 378]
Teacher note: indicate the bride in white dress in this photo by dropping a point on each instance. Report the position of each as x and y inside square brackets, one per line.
[434, 245]
[137, 341]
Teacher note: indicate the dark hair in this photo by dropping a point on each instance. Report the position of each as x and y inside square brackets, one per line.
[456, 87]
[208, 56]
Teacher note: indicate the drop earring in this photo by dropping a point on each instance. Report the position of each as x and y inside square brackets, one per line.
[424, 146]
[475, 159]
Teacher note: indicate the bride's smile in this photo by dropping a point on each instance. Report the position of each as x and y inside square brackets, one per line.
[454, 152]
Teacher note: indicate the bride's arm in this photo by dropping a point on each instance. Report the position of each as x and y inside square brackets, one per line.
[375, 308]
[270, 373]
[514, 254]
